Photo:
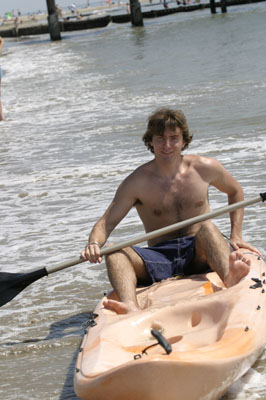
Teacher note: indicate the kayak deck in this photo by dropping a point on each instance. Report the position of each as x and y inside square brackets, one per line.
[216, 334]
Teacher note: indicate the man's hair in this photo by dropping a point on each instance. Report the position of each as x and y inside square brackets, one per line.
[166, 118]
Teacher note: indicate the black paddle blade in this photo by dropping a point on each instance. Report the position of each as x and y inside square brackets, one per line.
[12, 284]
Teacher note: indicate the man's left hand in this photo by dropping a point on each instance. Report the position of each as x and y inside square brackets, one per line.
[237, 243]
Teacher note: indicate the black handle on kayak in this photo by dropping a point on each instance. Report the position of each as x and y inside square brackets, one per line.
[162, 341]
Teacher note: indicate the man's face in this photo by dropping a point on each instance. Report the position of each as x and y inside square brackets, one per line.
[169, 145]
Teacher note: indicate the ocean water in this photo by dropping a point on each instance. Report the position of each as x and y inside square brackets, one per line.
[75, 114]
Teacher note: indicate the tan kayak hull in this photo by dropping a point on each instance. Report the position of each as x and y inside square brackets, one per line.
[216, 335]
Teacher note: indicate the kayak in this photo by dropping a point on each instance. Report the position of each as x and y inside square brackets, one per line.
[192, 339]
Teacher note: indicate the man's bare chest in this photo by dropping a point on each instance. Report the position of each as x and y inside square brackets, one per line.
[179, 197]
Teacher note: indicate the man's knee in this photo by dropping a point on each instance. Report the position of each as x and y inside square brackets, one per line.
[206, 235]
[209, 239]
[120, 256]
[207, 227]
[108, 257]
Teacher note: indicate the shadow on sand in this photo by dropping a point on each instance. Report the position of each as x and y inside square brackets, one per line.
[72, 326]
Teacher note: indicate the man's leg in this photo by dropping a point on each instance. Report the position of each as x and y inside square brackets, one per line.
[125, 268]
[212, 249]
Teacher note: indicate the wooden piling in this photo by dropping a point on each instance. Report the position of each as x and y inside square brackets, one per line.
[136, 14]
[53, 22]
[212, 6]
[223, 6]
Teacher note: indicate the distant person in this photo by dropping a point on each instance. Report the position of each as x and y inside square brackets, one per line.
[73, 8]
[1, 111]
[58, 11]
[16, 23]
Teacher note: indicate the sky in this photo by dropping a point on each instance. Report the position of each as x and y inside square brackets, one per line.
[29, 6]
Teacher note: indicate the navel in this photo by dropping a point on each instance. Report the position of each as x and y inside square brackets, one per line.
[157, 212]
[199, 203]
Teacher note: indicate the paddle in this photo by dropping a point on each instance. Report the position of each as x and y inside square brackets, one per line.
[11, 284]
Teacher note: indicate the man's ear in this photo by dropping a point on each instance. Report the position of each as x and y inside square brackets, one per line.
[151, 146]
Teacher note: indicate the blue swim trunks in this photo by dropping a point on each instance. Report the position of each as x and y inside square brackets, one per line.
[167, 259]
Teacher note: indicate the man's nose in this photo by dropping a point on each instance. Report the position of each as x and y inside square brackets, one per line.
[166, 142]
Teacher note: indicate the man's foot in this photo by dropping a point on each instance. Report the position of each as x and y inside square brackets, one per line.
[119, 307]
[239, 267]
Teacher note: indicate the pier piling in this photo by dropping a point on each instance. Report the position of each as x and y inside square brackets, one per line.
[53, 22]
[136, 14]
[212, 6]
[223, 6]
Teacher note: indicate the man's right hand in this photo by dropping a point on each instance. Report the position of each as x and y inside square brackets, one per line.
[92, 253]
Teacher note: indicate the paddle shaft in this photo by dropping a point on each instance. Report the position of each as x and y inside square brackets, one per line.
[163, 231]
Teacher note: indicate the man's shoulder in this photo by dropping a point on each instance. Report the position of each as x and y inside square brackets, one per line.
[143, 170]
[200, 161]
[135, 183]
[206, 167]
[140, 175]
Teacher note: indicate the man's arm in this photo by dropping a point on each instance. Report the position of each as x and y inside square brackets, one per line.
[226, 183]
[123, 201]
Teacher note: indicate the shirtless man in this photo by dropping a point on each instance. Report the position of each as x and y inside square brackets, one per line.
[170, 188]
